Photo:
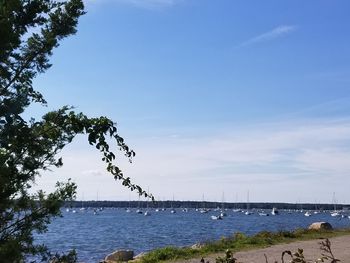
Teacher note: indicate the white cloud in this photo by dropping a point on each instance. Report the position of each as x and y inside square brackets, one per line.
[270, 35]
[92, 172]
[271, 159]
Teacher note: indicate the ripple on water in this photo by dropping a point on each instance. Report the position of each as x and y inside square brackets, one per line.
[95, 236]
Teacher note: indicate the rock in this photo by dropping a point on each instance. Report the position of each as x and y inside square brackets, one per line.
[197, 246]
[321, 226]
[120, 255]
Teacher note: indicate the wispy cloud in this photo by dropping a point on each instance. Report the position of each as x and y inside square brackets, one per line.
[270, 35]
[92, 172]
[305, 155]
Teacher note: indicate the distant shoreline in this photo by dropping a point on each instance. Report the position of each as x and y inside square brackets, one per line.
[211, 205]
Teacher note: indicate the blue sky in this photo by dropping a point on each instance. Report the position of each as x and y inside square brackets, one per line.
[214, 96]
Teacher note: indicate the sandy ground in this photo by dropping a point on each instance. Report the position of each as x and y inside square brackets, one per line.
[340, 247]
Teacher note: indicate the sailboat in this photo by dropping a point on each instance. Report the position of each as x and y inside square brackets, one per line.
[248, 212]
[335, 212]
[173, 211]
[274, 211]
[157, 209]
[147, 213]
[222, 214]
[262, 213]
[219, 217]
[128, 210]
[82, 208]
[138, 210]
[203, 210]
[235, 208]
[307, 214]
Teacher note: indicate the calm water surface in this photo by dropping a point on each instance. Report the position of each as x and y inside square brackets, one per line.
[95, 236]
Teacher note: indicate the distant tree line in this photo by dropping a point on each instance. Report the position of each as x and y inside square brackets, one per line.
[200, 204]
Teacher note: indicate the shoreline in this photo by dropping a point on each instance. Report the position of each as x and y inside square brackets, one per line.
[340, 247]
[249, 246]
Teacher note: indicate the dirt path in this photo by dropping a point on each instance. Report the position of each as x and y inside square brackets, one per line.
[340, 247]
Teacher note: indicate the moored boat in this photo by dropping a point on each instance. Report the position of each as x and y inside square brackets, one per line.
[274, 211]
[307, 213]
[263, 214]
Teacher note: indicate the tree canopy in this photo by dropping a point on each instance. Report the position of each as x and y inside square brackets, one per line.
[29, 32]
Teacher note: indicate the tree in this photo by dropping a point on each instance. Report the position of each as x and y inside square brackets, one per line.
[29, 31]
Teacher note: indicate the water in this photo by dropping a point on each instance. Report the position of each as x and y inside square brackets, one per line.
[95, 236]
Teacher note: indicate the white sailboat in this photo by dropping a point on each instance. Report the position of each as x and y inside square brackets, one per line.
[219, 217]
[203, 210]
[262, 213]
[82, 208]
[138, 210]
[248, 212]
[128, 210]
[335, 213]
[222, 214]
[274, 211]
[307, 214]
[172, 210]
[147, 213]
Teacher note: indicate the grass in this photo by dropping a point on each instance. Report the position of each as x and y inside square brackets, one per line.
[238, 242]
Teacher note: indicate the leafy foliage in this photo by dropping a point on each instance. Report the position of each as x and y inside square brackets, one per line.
[29, 31]
[326, 255]
[227, 259]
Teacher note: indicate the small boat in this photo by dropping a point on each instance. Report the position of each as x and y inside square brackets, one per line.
[247, 213]
[274, 211]
[236, 210]
[74, 211]
[173, 211]
[307, 213]
[222, 214]
[128, 210]
[147, 213]
[216, 217]
[263, 214]
[138, 211]
[335, 213]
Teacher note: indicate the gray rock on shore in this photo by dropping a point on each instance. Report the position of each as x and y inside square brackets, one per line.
[120, 255]
[197, 246]
[321, 226]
